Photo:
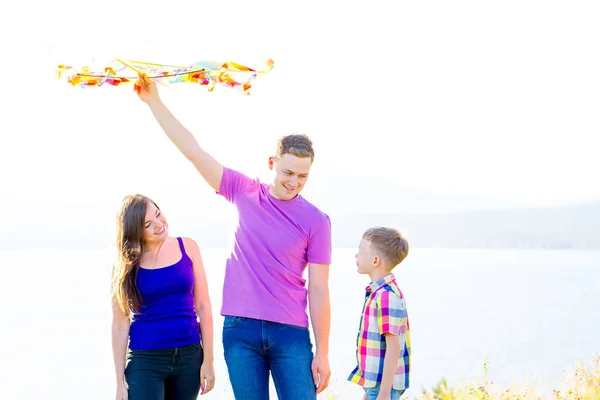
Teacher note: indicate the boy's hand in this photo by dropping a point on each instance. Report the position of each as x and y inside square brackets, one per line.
[383, 396]
[146, 88]
[321, 372]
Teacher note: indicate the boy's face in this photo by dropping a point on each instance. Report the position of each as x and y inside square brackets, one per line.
[365, 258]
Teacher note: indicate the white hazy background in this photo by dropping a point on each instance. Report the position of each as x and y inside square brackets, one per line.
[484, 100]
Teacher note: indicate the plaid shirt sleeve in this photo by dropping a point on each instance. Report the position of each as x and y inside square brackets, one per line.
[391, 314]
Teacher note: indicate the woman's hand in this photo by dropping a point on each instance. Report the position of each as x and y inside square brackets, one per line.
[207, 377]
[122, 393]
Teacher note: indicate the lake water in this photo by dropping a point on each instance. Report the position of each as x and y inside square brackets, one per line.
[532, 313]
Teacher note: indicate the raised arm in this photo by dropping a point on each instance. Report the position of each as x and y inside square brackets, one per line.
[210, 169]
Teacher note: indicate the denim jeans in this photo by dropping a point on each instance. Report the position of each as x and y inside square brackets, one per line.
[372, 393]
[253, 348]
[165, 374]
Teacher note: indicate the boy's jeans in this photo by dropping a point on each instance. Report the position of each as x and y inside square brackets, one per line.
[372, 393]
[254, 347]
[164, 374]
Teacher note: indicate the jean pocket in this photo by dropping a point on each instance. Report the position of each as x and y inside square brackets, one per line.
[197, 346]
[140, 353]
[231, 321]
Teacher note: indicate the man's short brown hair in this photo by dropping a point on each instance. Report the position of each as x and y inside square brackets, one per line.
[390, 243]
[296, 144]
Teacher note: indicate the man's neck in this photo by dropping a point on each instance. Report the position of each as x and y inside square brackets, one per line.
[274, 194]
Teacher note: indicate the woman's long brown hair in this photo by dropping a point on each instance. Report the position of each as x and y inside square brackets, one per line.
[130, 248]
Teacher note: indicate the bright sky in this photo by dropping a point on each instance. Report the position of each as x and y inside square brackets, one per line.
[467, 97]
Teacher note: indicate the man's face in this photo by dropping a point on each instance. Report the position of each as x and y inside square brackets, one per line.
[291, 174]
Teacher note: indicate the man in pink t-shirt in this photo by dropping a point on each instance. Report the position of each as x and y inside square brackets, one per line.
[264, 294]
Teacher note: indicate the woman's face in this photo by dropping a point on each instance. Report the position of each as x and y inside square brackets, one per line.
[156, 228]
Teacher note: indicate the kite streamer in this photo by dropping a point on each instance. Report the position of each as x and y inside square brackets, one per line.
[120, 71]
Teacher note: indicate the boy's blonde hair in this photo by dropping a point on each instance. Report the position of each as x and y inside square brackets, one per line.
[390, 243]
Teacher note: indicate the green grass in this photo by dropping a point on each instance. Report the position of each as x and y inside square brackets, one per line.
[581, 384]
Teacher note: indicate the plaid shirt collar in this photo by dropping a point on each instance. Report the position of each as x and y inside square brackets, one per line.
[386, 280]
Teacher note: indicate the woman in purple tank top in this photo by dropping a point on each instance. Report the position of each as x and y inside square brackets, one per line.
[162, 329]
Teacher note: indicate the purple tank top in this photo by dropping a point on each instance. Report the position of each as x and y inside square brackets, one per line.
[167, 318]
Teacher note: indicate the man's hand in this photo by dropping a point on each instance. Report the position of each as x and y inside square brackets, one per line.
[321, 372]
[383, 396]
[146, 89]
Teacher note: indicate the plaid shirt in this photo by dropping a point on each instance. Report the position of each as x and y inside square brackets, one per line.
[384, 312]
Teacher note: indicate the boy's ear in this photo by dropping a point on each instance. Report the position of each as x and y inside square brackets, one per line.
[376, 261]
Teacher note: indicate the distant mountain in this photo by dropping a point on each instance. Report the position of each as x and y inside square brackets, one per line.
[430, 219]
[340, 194]
[573, 227]
[52, 224]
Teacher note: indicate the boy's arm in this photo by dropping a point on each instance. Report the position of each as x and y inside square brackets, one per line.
[392, 322]
[210, 169]
[320, 316]
[390, 363]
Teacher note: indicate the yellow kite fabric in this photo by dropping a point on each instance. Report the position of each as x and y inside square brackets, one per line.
[209, 73]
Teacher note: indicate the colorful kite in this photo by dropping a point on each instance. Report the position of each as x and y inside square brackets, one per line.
[208, 73]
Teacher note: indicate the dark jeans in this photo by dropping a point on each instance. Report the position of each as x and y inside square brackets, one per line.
[254, 347]
[165, 374]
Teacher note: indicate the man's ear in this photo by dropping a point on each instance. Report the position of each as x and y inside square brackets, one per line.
[272, 161]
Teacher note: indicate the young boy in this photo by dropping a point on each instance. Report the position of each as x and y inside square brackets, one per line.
[383, 343]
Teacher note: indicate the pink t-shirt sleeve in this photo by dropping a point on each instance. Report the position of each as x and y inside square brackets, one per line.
[319, 244]
[233, 183]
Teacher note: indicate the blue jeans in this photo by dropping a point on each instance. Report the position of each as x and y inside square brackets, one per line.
[372, 393]
[165, 374]
[254, 347]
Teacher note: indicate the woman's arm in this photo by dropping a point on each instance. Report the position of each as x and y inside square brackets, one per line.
[204, 311]
[120, 336]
